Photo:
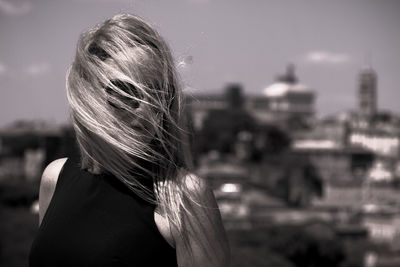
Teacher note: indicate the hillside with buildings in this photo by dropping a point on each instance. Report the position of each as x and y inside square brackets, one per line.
[274, 166]
[290, 167]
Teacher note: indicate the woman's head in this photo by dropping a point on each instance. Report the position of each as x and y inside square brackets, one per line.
[124, 97]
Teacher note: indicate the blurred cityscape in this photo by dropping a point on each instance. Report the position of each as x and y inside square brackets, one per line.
[293, 189]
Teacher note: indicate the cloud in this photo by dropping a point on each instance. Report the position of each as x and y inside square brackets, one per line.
[325, 57]
[38, 69]
[15, 7]
[3, 69]
[35, 69]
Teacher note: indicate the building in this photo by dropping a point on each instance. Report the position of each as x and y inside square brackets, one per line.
[364, 129]
[373, 129]
[338, 166]
[200, 105]
[29, 146]
[286, 99]
[367, 93]
[282, 103]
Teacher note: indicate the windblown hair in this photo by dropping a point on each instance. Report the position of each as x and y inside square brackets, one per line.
[123, 72]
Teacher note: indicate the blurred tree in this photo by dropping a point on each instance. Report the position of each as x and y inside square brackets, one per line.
[17, 231]
[271, 140]
[297, 123]
[291, 177]
[258, 257]
[18, 192]
[64, 145]
[294, 243]
[307, 251]
[17, 144]
[220, 129]
[301, 182]
[234, 96]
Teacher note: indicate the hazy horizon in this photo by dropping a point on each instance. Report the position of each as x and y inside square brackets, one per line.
[214, 42]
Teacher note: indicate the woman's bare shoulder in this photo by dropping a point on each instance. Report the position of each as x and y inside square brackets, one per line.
[194, 183]
[51, 172]
[48, 184]
[204, 222]
[197, 189]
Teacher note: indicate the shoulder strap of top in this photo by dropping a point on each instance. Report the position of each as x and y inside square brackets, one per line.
[70, 167]
[59, 183]
[63, 171]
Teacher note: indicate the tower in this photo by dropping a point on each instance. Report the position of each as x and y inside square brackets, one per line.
[367, 95]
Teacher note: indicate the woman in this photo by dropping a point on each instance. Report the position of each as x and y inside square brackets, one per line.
[130, 199]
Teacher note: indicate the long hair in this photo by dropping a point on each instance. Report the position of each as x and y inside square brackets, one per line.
[126, 109]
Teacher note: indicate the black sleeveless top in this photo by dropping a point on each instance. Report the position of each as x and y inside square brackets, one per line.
[95, 220]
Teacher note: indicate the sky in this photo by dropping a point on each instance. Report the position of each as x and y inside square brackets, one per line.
[214, 42]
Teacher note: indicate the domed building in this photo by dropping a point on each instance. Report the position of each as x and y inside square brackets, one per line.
[284, 101]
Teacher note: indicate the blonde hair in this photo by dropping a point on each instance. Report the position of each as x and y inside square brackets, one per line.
[124, 63]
